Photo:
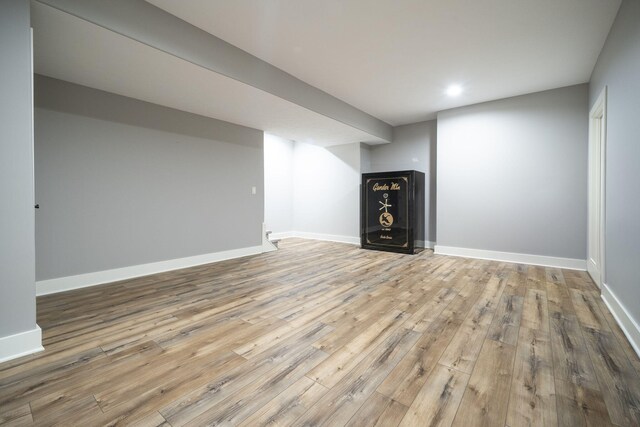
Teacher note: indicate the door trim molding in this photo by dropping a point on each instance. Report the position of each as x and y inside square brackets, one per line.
[598, 112]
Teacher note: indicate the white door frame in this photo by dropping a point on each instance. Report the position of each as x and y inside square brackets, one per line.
[596, 213]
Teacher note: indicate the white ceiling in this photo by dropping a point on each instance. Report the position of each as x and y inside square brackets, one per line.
[394, 59]
[71, 49]
[391, 59]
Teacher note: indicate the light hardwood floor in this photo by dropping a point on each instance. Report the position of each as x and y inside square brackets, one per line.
[328, 334]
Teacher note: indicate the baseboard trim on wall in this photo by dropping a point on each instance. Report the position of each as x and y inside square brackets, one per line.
[282, 235]
[61, 284]
[327, 237]
[425, 244]
[625, 321]
[21, 344]
[317, 236]
[267, 245]
[546, 261]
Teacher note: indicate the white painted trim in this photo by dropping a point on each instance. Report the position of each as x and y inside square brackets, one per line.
[21, 344]
[317, 236]
[267, 245]
[596, 232]
[626, 322]
[425, 244]
[594, 272]
[547, 261]
[61, 284]
[328, 237]
[282, 235]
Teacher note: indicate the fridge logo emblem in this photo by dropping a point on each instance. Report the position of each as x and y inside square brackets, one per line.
[386, 219]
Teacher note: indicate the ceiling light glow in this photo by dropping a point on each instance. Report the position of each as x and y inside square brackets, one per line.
[454, 90]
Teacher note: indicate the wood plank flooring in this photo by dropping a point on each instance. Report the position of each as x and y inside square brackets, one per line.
[323, 333]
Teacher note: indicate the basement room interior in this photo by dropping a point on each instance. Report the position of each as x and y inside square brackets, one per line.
[320, 213]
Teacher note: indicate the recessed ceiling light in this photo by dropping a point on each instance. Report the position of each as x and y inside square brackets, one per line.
[454, 90]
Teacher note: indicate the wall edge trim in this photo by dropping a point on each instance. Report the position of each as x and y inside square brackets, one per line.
[282, 235]
[62, 284]
[329, 237]
[21, 344]
[317, 236]
[629, 326]
[426, 244]
[546, 261]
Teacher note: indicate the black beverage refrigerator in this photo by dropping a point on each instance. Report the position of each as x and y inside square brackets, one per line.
[392, 211]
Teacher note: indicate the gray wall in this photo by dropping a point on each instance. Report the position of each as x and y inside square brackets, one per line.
[413, 147]
[278, 184]
[17, 282]
[365, 157]
[512, 174]
[326, 189]
[123, 182]
[618, 67]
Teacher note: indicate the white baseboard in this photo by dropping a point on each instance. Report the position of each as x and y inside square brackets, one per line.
[626, 322]
[425, 244]
[21, 344]
[282, 235]
[267, 245]
[327, 237]
[61, 284]
[331, 238]
[546, 261]
[317, 236]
